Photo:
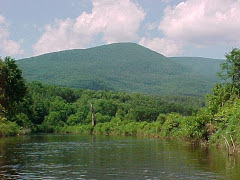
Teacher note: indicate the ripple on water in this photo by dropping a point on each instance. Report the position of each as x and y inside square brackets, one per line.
[80, 157]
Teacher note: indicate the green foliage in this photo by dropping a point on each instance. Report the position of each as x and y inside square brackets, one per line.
[220, 95]
[52, 122]
[231, 67]
[51, 109]
[228, 121]
[171, 125]
[23, 120]
[59, 113]
[102, 118]
[77, 129]
[190, 128]
[77, 118]
[105, 107]
[143, 113]
[64, 109]
[123, 67]
[223, 104]
[12, 86]
[8, 128]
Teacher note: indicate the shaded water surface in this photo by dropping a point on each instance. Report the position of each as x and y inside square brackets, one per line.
[108, 157]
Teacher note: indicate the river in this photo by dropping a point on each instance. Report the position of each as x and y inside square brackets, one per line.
[108, 157]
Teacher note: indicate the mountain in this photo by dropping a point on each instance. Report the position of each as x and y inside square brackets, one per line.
[123, 67]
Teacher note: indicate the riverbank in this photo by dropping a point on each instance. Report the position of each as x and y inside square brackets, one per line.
[172, 126]
[219, 127]
[210, 125]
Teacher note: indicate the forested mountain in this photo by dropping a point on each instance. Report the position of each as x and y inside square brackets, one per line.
[123, 67]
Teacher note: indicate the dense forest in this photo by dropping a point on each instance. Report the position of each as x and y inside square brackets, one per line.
[46, 108]
[34, 107]
[126, 67]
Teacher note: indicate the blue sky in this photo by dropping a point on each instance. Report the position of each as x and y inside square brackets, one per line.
[207, 28]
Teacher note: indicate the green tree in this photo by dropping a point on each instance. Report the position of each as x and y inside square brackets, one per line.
[105, 107]
[231, 67]
[77, 118]
[52, 122]
[12, 86]
[64, 109]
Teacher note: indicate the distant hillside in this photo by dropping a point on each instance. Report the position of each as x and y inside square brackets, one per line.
[206, 66]
[123, 67]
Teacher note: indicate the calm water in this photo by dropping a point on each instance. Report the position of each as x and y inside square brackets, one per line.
[107, 157]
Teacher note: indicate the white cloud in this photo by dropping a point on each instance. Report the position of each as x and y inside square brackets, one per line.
[57, 37]
[11, 48]
[118, 20]
[8, 47]
[203, 22]
[115, 20]
[162, 46]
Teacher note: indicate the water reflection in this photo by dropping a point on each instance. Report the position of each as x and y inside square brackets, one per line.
[108, 157]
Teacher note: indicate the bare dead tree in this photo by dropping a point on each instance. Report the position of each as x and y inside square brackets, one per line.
[93, 115]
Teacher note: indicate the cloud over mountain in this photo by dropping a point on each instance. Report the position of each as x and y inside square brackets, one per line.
[114, 21]
[164, 46]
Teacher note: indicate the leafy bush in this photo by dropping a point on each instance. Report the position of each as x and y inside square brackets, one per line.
[8, 128]
[74, 119]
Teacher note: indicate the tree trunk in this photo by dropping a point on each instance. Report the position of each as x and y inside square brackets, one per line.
[93, 115]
